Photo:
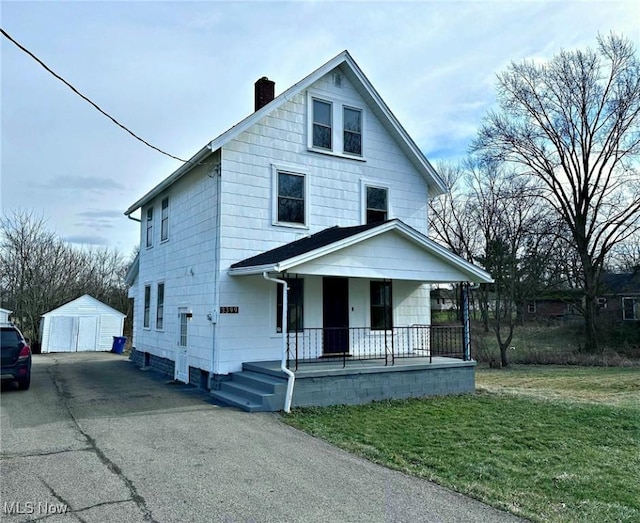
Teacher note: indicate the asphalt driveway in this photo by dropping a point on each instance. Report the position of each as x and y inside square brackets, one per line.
[112, 443]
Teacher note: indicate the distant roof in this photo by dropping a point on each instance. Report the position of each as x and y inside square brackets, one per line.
[353, 72]
[620, 283]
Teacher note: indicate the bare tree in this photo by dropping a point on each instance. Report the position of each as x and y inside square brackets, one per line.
[573, 123]
[39, 271]
[495, 218]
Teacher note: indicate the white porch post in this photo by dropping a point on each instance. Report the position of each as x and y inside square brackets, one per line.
[466, 323]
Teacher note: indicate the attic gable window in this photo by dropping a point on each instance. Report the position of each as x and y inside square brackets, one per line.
[352, 123]
[335, 126]
[322, 129]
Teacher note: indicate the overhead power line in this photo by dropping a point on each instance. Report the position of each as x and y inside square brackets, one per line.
[86, 99]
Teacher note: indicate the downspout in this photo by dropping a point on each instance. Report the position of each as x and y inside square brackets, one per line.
[283, 362]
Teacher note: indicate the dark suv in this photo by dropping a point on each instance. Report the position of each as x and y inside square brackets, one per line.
[16, 356]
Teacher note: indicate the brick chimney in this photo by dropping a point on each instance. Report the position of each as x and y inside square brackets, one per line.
[265, 92]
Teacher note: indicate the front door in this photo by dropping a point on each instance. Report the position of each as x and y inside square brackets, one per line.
[335, 313]
[181, 368]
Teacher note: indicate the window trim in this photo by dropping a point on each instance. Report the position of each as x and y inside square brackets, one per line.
[149, 230]
[164, 231]
[387, 328]
[160, 305]
[276, 169]
[338, 104]
[364, 184]
[146, 314]
[531, 307]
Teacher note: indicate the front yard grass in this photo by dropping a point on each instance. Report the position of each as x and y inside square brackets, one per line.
[546, 444]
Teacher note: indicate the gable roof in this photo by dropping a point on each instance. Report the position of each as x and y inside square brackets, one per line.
[84, 302]
[335, 239]
[351, 70]
[620, 283]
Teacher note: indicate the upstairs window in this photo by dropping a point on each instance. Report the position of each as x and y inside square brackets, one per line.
[377, 204]
[291, 197]
[381, 306]
[164, 223]
[335, 127]
[160, 308]
[322, 119]
[295, 316]
[150, 227]
[147, 306]
[352, 136]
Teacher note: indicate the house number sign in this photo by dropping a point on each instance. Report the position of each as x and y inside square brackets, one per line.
[229, 310]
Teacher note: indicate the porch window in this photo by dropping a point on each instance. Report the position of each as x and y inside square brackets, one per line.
[377, 204]
[381, 306]
[295, 311]
[291, 206]
[164, 222]
[160, 308]
[147, 306]
[631, 309]
[150, 227]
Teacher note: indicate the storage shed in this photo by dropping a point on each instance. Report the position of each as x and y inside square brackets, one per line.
[4, 315]
[84, 324]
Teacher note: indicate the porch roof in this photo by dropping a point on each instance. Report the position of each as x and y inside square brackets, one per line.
[391, 250]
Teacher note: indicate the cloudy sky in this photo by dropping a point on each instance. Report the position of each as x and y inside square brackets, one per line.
[180, 73]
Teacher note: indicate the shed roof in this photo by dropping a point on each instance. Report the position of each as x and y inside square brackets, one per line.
[85, 303]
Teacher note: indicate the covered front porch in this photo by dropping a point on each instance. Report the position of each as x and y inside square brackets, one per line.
[353, 313]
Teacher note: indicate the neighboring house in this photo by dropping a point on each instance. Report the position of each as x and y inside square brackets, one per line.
[555, 305]
[84, 324]
[620, 295]
[443, 300]
[4, 315]
[321, 188]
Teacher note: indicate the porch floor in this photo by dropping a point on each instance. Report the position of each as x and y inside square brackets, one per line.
[335, 367]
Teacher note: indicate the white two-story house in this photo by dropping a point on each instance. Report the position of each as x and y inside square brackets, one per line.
[320, 192]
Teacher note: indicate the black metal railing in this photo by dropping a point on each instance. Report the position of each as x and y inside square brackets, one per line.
[315, 345]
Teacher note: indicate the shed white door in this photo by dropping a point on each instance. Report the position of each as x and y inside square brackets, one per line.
[181, 372]
[62, 334]
[87, 333]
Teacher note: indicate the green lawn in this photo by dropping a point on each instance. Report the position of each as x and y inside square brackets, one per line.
[551, 444]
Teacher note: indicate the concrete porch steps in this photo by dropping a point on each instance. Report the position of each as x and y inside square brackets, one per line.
[253, 391]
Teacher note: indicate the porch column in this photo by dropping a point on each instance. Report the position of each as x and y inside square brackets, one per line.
[466, 324]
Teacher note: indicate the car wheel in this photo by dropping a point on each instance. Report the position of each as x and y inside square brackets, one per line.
[23, 384]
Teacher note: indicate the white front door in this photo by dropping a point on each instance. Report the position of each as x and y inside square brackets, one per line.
[181, 372]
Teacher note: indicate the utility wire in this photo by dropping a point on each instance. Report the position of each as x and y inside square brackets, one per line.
[86, 99]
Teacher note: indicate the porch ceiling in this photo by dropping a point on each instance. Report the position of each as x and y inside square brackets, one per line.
[390, 250]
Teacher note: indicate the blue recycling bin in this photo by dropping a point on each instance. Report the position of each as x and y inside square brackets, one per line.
[118, 344]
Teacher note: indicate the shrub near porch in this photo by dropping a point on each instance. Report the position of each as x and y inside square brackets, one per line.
[546, 458]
